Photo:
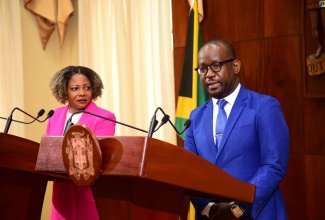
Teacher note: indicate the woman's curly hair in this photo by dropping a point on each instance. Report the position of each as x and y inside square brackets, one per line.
[59, 82]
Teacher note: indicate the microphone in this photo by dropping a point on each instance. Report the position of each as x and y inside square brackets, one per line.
[166, 117]
[39, 114]
[9, 119]
[69, 122]
[164, 120]
[49, 115]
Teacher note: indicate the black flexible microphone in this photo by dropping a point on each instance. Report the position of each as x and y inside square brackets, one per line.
[49, 115]
[166, 117]
[163, 121]
[69, 122]
[9, 119]
[39, 114]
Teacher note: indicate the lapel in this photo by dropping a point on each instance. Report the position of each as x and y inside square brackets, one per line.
[208, 128]
[236, 111]
[59, 121]
[85, 118]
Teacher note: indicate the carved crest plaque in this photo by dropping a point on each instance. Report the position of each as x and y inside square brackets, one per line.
[81, 155]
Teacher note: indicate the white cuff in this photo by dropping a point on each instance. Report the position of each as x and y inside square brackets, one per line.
[206, 209]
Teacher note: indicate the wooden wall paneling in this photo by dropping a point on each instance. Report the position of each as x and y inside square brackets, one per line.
[314, 126]
[179, 54]
[250, 53]
[180, 13]
[307, 30]
[215, 22]
[232, 20]
[314, 85]
[293, 187]
[283, 81]
[315, 191]
[246, 20]
[282, 18]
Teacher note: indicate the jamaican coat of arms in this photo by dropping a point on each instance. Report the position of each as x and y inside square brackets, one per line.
[80, 153]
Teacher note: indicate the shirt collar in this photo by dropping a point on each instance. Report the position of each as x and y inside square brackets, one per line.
[230, 98]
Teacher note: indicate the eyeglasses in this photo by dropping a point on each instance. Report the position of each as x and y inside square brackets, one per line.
[215, 67]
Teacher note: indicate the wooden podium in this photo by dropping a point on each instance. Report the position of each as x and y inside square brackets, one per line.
[21, 188]
[140, 177]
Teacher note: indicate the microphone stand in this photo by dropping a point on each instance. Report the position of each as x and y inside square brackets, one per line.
[153, 124]
[167, 118]
[40, 114]
[69, 122]
[9, 120]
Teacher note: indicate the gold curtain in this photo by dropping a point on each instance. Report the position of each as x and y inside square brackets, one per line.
[129, 43]
[11, 62]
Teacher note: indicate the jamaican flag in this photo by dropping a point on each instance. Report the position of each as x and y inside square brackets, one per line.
[192, 93]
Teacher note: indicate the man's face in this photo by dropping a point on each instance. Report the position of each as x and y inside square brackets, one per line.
[222, 83]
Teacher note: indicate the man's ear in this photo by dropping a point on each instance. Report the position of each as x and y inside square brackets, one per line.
[236, 65]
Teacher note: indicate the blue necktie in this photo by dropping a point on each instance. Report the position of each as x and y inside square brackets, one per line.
[221, 121]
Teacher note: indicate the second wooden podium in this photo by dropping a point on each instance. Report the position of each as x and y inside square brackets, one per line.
[138, 177]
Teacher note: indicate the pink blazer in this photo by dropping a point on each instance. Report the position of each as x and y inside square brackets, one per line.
[70, 201]
[99, 126]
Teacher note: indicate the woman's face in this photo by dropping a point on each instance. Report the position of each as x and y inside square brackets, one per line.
[80, 92]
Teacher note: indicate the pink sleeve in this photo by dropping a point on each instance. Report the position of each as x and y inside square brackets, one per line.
[105, 127]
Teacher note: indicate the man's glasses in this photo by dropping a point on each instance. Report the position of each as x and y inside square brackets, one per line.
[215, 67]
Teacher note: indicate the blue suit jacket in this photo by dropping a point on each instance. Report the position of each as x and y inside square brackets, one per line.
[254, 149]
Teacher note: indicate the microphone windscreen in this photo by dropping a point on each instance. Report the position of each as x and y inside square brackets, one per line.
[187, 123]
[50, 114]
[40, 113]
[165, 119]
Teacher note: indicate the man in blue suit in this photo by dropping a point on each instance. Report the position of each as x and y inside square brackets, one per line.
[252, 146]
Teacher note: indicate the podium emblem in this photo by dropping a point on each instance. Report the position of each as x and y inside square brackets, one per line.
[81, 155]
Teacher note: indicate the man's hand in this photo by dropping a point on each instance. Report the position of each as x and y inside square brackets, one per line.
[221, 211]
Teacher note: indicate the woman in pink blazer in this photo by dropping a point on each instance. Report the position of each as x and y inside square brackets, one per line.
[77, 86]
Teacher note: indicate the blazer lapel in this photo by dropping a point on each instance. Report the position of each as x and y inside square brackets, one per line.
[60, 120]
[85, 118]
[233, 117]
[208, 130]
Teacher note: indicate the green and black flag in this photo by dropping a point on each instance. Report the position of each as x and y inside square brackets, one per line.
[192, 93]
